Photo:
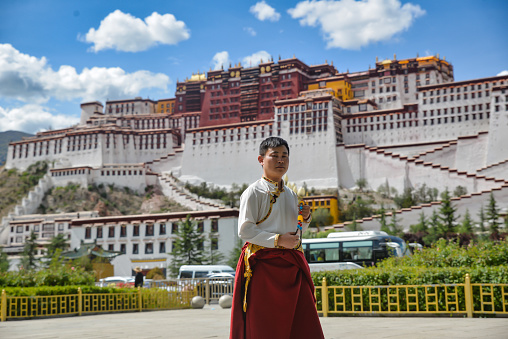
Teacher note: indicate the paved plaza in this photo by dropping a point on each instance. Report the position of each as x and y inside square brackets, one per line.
[213, 322]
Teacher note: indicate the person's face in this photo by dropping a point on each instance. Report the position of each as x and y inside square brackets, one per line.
[275, 163]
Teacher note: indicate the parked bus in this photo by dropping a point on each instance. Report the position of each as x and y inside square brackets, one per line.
[345, 250]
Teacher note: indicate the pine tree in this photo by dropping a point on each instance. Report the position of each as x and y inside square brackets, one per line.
[483, 218]
[492, 214]
[467, 224]
[382, 221]
[4, 261]
[216, 257]
[57, 243]
[188, 246]
[234, 254]
[395, 228]
[434, 230]
[28, 259]
[447, 215]
[421, 226]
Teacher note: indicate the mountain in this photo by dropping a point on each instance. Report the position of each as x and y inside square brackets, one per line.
[5, 138]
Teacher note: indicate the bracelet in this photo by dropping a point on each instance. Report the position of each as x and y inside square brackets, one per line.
[276, 241]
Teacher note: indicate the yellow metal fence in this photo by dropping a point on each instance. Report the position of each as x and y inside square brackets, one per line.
[467, 299]
[12, 307]
[462, 299]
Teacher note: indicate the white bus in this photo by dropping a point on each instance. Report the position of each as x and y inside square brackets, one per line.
[346, 250]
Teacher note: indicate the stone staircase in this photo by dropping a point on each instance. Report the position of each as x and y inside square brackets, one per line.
[176, 191]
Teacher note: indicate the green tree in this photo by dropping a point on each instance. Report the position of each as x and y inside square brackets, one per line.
[459, 191]
[406, 200]
[234, 254]
[447, 215]
[492, 214]
[28, 259]
[382, 220]
[321, 217]
[361, 184]
[4, 261]
[188, 246]
[434, 231]
[354, 226]
[216, 257]
[358, 208]
[57, 243]
[395, 228]
[467, 224]
[483, 219]
[384, 190]
[421, 226]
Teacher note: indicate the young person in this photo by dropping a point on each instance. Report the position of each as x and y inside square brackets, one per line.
[274, 293]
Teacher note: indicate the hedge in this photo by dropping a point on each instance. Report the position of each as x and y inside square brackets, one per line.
[62, 290]
[377, 276]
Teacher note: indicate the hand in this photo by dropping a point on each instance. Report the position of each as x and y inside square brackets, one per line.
[289, 240]
[306, 212]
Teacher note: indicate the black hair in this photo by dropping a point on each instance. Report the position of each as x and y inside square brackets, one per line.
[272, 142]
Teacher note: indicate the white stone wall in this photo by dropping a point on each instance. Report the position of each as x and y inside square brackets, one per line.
[228, 156]
[499, 171]
[472, 203]
[498, 128]
[92, 150]
[380, 168]
[134, 177]
[471, 153]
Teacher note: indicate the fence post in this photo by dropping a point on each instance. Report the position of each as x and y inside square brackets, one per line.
[80, 301]
[3, 310]
[207, 291]
[468, 291]
[140, 299]
[324, 297]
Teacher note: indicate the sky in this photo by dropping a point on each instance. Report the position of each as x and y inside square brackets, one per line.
[56, 54]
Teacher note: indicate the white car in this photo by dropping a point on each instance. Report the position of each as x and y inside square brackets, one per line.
[116, 281]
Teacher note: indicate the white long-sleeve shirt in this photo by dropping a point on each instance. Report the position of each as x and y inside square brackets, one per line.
[254, 206]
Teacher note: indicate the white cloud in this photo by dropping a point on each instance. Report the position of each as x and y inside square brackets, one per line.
[33, 118]
[27, 78]
[255, 59]
[353, 24]
[127, 33]
[262, 11]
[220, 59]
[250, 30]
[505, 72]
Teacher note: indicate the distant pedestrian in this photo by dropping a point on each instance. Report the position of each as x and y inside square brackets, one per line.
[138, 281]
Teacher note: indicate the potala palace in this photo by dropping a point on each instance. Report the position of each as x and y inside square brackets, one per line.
[404, 123]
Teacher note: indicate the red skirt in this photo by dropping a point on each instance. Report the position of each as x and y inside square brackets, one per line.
[280, 298]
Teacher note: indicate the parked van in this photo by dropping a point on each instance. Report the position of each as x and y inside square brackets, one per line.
[203, 271]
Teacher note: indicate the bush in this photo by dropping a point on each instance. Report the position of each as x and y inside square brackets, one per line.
[450, 254]
[62, 290]
[56, 275]
[376, 276]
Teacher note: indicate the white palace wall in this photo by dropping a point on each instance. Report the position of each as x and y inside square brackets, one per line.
[498, 129]
[224, 155]
[92, 150]
[471, 203]
[379, 168]
[133, 176]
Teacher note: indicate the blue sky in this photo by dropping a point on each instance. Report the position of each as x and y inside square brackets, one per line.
[55, 54]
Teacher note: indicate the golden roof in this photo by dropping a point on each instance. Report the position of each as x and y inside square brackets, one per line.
[197, 77]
